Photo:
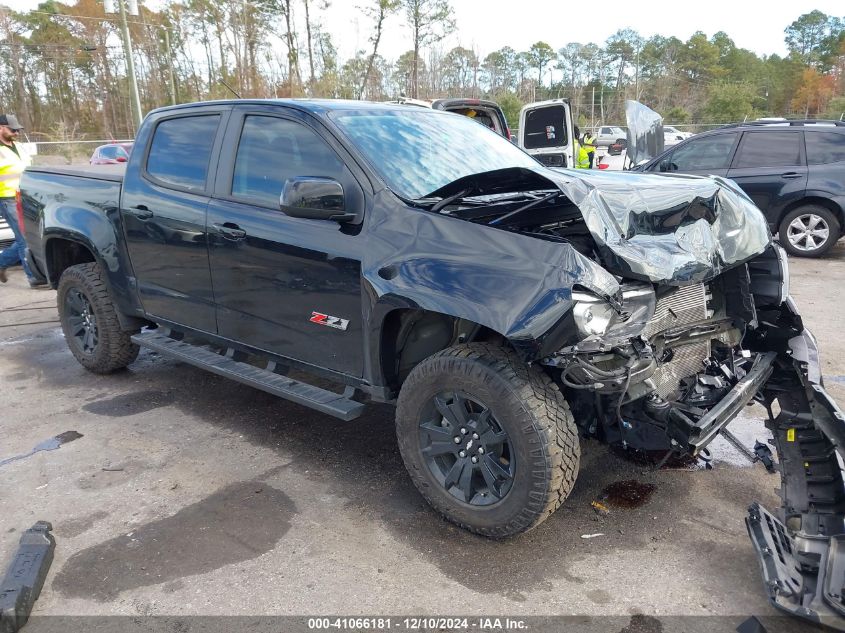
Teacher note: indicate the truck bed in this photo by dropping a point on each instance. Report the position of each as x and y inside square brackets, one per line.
[101, 172]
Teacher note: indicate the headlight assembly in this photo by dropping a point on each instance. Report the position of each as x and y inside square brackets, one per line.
[593, 315]
[596, 317]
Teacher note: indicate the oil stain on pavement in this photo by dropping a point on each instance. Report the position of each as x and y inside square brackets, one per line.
[629, 493]
[237, 523]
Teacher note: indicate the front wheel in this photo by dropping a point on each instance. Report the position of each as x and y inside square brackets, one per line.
[809, 231]
[89, 321]
[488, 441]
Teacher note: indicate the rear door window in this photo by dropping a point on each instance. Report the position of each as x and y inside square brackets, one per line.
[824, 147]
[180, 151]
[769, 149]
[710, 152]
[271, 150]
[545, 127]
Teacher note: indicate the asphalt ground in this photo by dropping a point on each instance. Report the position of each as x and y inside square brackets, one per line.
[191, 495]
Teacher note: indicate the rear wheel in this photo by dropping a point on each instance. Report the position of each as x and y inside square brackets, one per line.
[488, 441]
[809, 231]
[89, 321]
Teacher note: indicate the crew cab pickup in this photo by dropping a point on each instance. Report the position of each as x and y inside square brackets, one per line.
[508, 309]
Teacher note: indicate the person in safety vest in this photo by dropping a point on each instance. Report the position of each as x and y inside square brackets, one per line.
[582, 159]
[13, 160]
[590, 146]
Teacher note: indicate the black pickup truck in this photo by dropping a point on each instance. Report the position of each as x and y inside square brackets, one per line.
[508, 309]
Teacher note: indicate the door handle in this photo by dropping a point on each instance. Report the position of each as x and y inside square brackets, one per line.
[141, 212]
[791, 174]
[230, 231]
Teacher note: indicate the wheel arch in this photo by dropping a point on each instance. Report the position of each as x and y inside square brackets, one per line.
[66, 250]
[61, 253]
[408, 335]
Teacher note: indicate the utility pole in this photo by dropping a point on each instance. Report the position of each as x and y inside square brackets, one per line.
[108, 5]
[637, 78]
[170, 64]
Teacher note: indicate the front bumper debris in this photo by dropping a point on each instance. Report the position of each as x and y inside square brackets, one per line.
[803, 576]
[705, 430]
[802, 548]
[25, 577]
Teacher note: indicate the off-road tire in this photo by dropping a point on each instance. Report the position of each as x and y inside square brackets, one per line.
[527, 405]
[830, 219]
[114, 348]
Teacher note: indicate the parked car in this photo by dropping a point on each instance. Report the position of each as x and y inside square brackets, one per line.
[507, 309]
[673, 136]
[617, 147]
[111, 154]
[608, 135]
[487, 113]
[794, 171]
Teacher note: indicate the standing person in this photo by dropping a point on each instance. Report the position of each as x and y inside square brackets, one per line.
[579, 154]
[590, 146]
[13, 160]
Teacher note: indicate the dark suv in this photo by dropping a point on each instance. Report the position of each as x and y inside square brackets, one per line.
[794, 171]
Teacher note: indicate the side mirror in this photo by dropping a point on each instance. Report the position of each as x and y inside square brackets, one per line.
[513, 139]
[314, 199]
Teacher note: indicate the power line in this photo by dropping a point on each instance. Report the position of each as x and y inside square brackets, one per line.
[89, 17]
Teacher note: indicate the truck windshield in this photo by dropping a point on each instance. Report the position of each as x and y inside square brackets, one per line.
[417, 152]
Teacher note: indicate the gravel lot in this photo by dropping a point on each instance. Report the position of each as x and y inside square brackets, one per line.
[188, 494]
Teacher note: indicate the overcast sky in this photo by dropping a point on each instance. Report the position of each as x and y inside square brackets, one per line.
[486, 25]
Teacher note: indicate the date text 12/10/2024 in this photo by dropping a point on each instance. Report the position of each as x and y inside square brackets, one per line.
[417, 624]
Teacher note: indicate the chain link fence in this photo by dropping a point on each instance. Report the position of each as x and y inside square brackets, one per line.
[66, 152]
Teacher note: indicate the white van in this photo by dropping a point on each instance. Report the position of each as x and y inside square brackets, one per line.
[546, 132]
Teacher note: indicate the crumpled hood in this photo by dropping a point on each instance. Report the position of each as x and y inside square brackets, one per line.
[669, 229]
[645, 132]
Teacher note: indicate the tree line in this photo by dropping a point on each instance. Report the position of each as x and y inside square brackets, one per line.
[63, 67]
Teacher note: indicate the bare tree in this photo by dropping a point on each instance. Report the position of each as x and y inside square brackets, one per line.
[378, 12]
[430, 21]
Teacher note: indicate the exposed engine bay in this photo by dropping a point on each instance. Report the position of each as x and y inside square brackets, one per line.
[698, 325]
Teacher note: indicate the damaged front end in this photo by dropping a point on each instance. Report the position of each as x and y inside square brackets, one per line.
[684, 349]
[667, 372]
[670, 367]
[661, 308]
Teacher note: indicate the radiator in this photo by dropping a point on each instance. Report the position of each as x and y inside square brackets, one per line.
[683, 306]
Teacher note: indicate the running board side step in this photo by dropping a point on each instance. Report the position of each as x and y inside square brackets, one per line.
[335, 404]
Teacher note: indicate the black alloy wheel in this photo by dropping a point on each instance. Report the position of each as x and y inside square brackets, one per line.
[487, 439]
[82, 321]
[90, 321]
[466, 449]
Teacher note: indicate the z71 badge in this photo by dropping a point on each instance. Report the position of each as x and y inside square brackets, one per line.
[331, 321]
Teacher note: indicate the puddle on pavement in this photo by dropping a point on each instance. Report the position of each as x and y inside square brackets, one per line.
[47, 445]
[627, 494]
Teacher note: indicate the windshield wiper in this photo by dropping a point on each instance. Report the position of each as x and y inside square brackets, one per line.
[450, 199]
[525, 207]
